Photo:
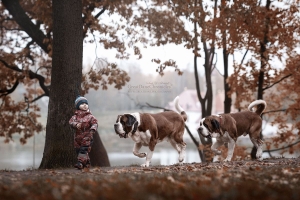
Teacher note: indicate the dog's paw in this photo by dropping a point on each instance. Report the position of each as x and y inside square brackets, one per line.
[180, 163]
[217, 152]
[142, 155]
[180, 160]
[260, 159]
[144, 165]
[227, 160]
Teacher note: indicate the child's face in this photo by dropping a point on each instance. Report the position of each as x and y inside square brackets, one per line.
[84, 106]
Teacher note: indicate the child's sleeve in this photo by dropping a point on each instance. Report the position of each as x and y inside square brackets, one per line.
[94, 124]
[73, 122]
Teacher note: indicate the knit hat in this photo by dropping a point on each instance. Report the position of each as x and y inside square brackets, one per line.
[80, 100]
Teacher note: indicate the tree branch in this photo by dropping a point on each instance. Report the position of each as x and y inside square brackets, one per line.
[28, 54]
[244, 56]
[9, 91]
[14, 68]
[32, 75]
[41, 80]
[272, 111]
[290, 145]
[18, 13]
[101, 12]
[277, 82]
[39, 97]
[158, 107]
[218, 71]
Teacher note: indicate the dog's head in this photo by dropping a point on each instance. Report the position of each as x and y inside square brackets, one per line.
[125, 124]
[209, 126]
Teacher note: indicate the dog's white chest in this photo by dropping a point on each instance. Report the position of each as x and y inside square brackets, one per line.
[215, 135]
[141, 137]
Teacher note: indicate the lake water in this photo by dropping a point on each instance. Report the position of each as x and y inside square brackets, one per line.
[14, 156]
[21, 157]
[24, 159]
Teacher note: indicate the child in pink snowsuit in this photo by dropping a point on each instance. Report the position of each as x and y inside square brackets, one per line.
[86, 125]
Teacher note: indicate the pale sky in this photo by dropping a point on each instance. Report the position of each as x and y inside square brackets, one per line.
[183, 57]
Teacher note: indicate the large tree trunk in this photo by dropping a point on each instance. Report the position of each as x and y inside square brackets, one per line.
[65, 83]
[65, 86]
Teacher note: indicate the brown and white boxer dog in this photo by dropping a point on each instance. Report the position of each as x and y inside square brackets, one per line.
[226, 128]
[147, 129]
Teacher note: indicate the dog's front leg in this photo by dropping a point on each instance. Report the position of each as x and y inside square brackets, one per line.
[231, 145]
[148, 159]
[217, 152]
[136, 149]
[152, 144]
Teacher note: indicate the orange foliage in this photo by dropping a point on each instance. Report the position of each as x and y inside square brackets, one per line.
[246, 25]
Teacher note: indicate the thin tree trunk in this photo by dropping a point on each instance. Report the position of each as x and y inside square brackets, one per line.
[227, 98]
[198, 88]
[263, 63]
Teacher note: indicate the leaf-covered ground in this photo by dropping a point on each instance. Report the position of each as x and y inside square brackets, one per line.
[268, 179]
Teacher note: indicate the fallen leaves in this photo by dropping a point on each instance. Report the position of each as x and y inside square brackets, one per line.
[222, 180]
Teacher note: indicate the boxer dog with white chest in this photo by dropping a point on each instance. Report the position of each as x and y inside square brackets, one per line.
[147, 129]
[226, 128]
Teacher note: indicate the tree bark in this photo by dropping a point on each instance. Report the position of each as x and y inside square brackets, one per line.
[263, 63]
[227, 99]
[206, 101]
[65, 83]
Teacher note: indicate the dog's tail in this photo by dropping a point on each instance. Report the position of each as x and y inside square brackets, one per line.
[260, 106]
[180, 109]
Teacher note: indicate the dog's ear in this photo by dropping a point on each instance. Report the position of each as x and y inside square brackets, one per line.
[118, 118]
[130, 120]
[215, 124]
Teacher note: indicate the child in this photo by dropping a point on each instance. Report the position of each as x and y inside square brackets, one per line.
[86, 125]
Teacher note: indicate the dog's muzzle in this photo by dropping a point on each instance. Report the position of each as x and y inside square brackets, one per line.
[200, 130]
[118, 132]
